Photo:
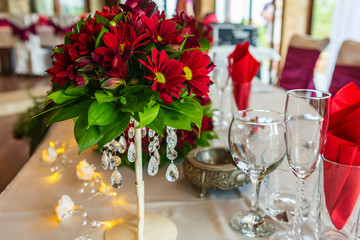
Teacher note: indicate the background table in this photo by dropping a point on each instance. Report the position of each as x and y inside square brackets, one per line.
[27, 204]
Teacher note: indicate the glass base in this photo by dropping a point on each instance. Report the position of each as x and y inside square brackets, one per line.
[288, 236]
[281, 207]
[253, 224]
[333, 235]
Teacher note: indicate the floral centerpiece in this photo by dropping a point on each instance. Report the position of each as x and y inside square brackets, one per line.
[126, 64]
[130, 72]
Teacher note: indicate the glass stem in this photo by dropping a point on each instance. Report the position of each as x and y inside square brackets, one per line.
[221, 107]
[255, 195]
[300, 184]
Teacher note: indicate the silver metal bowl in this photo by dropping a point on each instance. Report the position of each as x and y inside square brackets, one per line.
[212, 168]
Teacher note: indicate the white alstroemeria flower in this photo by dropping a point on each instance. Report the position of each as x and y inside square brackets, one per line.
[85, 171]
[64, 207]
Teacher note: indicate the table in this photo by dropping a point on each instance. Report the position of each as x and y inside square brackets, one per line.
[27, 204]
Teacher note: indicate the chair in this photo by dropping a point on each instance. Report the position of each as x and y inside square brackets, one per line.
[347, 68]
[298, 71]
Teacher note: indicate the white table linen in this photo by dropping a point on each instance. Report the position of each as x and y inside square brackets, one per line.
[27, 204]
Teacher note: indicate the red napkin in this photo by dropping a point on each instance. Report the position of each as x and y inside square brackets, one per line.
[342, 183]
[242, 69]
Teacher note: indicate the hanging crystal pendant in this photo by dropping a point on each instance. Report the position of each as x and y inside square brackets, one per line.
[169, 130]
[115, 161]
[156, 155]
[171, 153]
[156, 141]
[123, 144]
[105, 161]
[153, 166]
[143, 132]
[116, 179]
[151, 133]
[114, 145]
[151, 147]
[172, 173]
[111, 167]
[131, 132]
[171, 139]
[131, 152]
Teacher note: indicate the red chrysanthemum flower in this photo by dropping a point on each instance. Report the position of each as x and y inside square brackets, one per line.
[82, 44]
[120, 43]
[92, 27]
[162, 31]
[165, 74]
[196, 71]
[64, 70]
[142, 7]
[207, 124]
[108, 13]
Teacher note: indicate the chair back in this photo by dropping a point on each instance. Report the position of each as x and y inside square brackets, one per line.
[298, 71]
[347, 68]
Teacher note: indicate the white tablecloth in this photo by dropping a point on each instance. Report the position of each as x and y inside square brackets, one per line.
[27, 204]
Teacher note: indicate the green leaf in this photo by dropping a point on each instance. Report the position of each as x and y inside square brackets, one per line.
[70, 111]
[85, 137]
[131, 101]
[67, 39]
[100, 19]
[190, 108]
[204, 43]
[59, 97]
[99, 39]
[123, 100]
[47, 110]
[113, 130]
[79, 25]
[176, 119]
[77, 91]
[120, 17]
[134, 89]
[102, 97]
[102, 114]
[158, 124]
[148, 116]
[182, 45]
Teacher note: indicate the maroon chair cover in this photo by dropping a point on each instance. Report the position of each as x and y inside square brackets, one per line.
[343, 75]
[23, 33]
[58, 29]
[299, 68]
[4, 23]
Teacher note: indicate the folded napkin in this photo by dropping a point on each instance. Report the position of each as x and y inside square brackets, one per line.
[342, 183]
[242, 69]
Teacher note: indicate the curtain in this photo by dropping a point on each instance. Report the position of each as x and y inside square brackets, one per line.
[345, 26]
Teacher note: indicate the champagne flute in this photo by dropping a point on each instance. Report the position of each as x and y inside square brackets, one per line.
[307, 112]
[257, 145]
[220, 76]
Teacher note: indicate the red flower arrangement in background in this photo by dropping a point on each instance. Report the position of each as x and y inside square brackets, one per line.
[130, 61]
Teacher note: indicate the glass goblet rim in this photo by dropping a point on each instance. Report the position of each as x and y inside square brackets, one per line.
[339, 164]
[281, 120]
[294, 93]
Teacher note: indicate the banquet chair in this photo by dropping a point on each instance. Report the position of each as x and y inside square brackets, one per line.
[298, 71]
[347, 68]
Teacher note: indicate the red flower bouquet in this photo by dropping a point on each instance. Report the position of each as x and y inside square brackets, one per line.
[129, 61]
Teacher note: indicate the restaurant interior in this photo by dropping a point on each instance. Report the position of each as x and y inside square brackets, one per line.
[81, 80]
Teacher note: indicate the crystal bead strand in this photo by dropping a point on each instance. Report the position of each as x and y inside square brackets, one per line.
[131, 154]
[172, 172]
[154, 145]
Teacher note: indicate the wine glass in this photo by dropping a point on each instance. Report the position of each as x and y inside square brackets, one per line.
[257, 146]
[307, 112]
[220, 76]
